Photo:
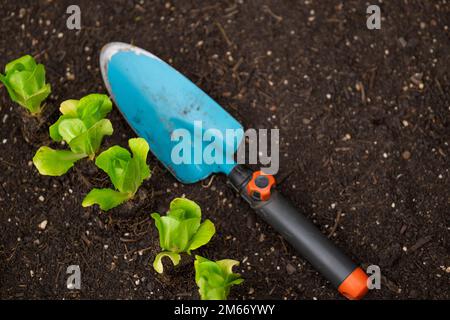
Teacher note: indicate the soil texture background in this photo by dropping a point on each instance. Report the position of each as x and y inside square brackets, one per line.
[364, 119]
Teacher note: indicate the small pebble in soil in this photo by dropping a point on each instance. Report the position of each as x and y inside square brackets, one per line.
[43, 225]
[290, 269]
[41, 198]
[406, 155]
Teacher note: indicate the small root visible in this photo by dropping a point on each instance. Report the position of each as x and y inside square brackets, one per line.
[336, 224]
[208, 185]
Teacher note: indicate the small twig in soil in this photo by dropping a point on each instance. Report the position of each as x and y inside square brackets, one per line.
[360, 87]
[336, 224]
[224, 34]
[237, 65]
[284, 244]
[266, 9]
[142, 251]
[209, 182]
[129, 240]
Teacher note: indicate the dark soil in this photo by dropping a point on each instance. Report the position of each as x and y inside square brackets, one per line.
[365, 127]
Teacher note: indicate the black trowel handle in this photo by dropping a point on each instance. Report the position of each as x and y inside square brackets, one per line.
[257, 189]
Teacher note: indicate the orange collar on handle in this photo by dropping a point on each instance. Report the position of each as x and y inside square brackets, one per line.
[354, 287]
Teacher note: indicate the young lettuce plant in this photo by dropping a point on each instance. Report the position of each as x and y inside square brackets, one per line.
[125, 171]
[82, 126]
[214, 278]
[181, 231]
[25, 82]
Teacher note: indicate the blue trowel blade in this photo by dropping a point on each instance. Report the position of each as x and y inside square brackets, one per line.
[156, 100]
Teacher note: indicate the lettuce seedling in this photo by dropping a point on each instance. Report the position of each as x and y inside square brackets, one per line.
[82, 126]
[214, 278]
[125, 171]
[181, 231]
[25, 82]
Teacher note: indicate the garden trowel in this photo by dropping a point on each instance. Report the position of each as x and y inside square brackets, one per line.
[167, 109]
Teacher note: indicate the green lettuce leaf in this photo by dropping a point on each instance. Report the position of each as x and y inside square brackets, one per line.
[180, 230]
[157, 264]
[203, 235]
[82, 125]
[89, 141]
[25, 83]
[105, 198]
[52, 162]
[215, 278]
[125, 171]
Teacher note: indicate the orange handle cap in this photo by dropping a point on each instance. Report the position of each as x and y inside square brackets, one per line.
[354, 287]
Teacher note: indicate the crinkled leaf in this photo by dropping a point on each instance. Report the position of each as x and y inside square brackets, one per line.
[227, 268]
[105, 198]
[168, 228]
[89, 141]
[89, 109]
[137, 170]
[187, 230]
[180, 230]
[34, 101]
[69, 108]
[127, 173]
[174, 234]
[203, 235]
[93, 108]
[157, 264]
[114, 162]
[190, 208]
[25, 82]
[10, 90]
[52, 162]
[54, 128]
[70, 129]
[214, 279]
[26, 62]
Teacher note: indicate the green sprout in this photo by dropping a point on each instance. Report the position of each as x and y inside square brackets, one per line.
[125, 171]
[25, 82]
[82, 126]
[214, 278]
[181, 231]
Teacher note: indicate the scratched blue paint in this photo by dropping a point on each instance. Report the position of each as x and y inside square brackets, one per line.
[156, 99]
